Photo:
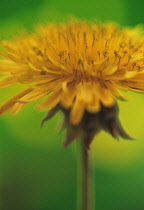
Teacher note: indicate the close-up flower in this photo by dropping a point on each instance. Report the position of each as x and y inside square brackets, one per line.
[80, 68]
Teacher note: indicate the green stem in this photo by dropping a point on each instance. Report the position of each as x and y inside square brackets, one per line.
[85, 178]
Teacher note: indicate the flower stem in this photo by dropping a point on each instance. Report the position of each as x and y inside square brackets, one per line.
[85, 178]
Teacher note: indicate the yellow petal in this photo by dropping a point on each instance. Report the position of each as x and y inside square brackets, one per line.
[25, 78]
[137, 56]
[83, 92]
[8, 81]
[121, 85]
[51, 101]
[7, 105]
[30, 97]
[68, 94]
[105, 97]
[14, 58]
[111, 69]
[120, 74]
[5, 55]
[49, 84]
[127, 85]
[9, 67]
[77, 112]
[135, 85]
[113, 90]
[94, 107]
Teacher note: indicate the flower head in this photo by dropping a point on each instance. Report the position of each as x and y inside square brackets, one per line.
[78, 66]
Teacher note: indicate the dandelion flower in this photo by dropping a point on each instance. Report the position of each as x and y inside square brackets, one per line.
[79, 67]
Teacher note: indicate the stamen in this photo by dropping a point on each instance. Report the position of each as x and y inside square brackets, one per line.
[124, 53]
[134, 64]
[94, 38]
[115, 53]
[93, 42]
[45, 54]
[122, 45]
[86, 47]
[107, 44]
[69, 55]
[53, 45]
[75, 72]
[138, 68]
[84, 37]
[67, 40]
[65, 61]
[119, 57]
[79, 62]
[98, 52]
[40, 53]
[61, 54]
[105, 54]
[43, 72]
[48, 60]
[74, 39]
[129, 58]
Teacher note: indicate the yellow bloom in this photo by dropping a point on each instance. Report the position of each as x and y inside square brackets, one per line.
[81, 64]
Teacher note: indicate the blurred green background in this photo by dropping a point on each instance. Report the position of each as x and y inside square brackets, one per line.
[35, 172]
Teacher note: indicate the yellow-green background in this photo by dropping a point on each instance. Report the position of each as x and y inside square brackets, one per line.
[35, 172]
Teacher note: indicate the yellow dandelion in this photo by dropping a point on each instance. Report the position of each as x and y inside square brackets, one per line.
[79, 67]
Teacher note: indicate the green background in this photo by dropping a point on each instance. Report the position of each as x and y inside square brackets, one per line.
[36, 173]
